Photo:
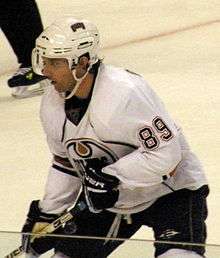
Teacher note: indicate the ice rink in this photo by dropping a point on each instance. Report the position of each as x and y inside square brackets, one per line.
[174, 44]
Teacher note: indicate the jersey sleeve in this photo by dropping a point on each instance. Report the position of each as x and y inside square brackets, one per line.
[143, 121]
[62, 185]
[61, 191]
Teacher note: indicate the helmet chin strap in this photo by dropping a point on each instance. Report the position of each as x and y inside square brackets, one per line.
[78, 82]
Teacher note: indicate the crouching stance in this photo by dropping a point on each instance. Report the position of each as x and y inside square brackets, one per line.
[111, 136]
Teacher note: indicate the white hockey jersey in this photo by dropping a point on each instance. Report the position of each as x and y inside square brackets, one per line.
[127, 125]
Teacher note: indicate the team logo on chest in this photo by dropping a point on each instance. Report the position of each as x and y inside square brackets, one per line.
[85, 149]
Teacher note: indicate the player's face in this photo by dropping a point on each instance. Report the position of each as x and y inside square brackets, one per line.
[58, 72]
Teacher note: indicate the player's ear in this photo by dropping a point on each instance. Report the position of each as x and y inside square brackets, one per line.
[83, 62]
[82, 66]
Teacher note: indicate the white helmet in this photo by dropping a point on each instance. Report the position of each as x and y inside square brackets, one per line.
[66, 38]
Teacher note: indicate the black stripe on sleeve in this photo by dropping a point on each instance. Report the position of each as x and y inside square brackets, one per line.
[65, 170]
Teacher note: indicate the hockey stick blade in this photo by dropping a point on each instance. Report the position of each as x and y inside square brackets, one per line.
[52, 226]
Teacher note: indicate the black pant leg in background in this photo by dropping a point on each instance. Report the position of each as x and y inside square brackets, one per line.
[21, 23]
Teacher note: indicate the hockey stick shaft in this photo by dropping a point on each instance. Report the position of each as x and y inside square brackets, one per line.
[52, 226]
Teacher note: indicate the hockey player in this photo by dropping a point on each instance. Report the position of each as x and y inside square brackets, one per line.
[110, 134]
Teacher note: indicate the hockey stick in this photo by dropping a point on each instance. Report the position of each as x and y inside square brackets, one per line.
[77, 209]
[68, 215]
[80, 170]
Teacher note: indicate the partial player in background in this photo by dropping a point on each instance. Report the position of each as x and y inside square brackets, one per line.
[21, 23]
[110, 134]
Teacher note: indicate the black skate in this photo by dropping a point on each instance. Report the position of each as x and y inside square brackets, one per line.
[24, 76]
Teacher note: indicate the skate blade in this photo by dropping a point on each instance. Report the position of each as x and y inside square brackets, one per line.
[29, 93]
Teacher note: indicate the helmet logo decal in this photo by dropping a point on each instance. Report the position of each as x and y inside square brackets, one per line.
[78, 25]
[45, 37]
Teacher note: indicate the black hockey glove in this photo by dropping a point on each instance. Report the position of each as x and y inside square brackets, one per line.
[35, 222]
[100, 189]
